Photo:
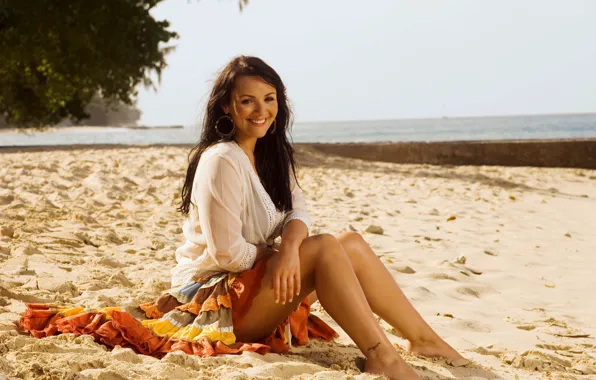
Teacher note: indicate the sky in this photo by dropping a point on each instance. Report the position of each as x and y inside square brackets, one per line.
[386, 59]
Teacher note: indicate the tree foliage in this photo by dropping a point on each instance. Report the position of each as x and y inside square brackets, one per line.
[57, 55]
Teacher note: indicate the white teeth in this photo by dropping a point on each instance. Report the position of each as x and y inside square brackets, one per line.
[261, 121]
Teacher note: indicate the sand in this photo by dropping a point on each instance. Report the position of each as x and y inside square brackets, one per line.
[500, 261]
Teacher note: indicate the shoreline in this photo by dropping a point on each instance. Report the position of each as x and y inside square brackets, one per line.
[566, 153]
[90, 128]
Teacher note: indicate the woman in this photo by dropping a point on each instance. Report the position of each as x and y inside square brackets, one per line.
[233, 283]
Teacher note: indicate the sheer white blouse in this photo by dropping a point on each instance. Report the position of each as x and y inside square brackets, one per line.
[231, 214]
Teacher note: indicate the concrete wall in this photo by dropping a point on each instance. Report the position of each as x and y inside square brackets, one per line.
[547, 153]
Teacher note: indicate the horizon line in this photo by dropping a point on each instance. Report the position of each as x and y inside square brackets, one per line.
[453, 117]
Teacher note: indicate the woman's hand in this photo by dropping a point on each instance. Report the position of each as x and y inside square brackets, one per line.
[286, 273]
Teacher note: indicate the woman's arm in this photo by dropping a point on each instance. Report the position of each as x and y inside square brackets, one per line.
[286, 279]
[218, 193]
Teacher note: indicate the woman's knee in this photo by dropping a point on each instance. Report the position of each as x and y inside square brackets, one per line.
[315, 247]
[355, 246]
[350, 239]
[353, 243]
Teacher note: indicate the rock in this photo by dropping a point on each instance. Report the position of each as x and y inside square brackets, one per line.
[372, 229]
[7, 231]
[451, 218]
[350, 227]
[528, 327]
[460, 259]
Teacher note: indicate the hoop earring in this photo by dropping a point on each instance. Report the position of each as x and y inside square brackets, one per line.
[225, 135]
[272, 130]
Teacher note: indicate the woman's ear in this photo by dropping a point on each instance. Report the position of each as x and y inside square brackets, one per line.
[226, 109]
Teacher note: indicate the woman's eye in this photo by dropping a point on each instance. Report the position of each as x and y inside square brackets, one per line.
[246, 101]
[269, 99]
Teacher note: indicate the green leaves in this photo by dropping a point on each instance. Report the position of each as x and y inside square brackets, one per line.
[56, 55]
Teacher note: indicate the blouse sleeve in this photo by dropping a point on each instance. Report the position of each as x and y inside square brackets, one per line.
[218, 195]
[298, 206]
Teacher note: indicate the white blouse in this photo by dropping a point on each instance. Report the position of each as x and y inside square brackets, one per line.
[230, 214]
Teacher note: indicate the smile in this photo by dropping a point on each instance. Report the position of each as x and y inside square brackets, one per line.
[259, 122]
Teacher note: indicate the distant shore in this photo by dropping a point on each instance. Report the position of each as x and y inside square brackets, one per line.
[569, 153]
[92, 128]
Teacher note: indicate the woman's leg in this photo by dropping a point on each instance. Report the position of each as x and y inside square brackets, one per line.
[325, 267]
[388, 301]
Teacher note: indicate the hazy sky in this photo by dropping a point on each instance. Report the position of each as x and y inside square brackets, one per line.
[384, 59]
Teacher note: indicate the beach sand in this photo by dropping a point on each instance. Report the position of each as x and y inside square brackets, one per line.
[499, 260]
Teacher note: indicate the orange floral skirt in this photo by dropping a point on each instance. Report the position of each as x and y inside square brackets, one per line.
[197, 318]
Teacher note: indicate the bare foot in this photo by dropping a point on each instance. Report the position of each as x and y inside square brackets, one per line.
[394, 369]
[437, 349]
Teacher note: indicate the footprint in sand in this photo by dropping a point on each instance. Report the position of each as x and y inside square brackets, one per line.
[470, 325]
[574, 356]
[551, 326]
[402, 269]
[468, 291]
[441, 276]
[420, 293]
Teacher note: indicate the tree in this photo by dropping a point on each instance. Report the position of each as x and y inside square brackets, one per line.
[57, 55]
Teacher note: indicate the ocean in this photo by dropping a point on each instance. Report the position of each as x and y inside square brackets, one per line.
[534, 127]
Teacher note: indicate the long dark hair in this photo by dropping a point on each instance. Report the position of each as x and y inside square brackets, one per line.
[274, 155]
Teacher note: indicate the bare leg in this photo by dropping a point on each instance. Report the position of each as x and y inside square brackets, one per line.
[388, 301]
[326, 268]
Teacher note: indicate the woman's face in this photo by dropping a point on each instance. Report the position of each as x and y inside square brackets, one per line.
[253, 107]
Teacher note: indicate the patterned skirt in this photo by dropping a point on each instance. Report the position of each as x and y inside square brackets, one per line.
[197, 318]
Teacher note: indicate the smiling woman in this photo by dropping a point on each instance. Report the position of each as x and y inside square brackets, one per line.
[234, 288]
[253, 107]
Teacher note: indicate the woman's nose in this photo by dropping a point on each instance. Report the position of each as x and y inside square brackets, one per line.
[259, 105]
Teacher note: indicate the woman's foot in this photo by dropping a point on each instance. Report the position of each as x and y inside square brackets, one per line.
[385, 360]
[394, 369]
[436, 348]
